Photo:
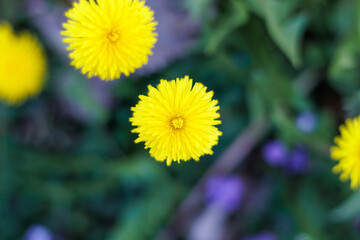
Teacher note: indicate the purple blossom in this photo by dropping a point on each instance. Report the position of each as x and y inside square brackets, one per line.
[275, 153]
[38, 232]
[261, 236]
[298, 161]
[306, 122]
[225, 191]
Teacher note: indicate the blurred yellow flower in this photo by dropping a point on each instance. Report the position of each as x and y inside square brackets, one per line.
[108, 38]
[347, 152]
[177, 120]
[22, 65]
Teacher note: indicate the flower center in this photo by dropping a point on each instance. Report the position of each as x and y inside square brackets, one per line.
[177, 122]
[113, 35]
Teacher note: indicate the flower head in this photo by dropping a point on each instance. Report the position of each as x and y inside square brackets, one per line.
[226, 192]
[306, 122]
[347, 152]
[22, 65]
[275, 153]
[109, 37]
[298, 161]
[177, 120]
[38, 232]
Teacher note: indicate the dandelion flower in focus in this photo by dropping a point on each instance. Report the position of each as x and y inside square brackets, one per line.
[22, 65]
[177, 120]
[347, 152]
[108, 38]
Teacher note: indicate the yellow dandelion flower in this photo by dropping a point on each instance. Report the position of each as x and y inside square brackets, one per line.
[22, 65]
[177, 120]
[108, 38]
[347, 152]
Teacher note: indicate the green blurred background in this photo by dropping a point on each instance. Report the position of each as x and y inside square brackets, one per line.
[283, 70]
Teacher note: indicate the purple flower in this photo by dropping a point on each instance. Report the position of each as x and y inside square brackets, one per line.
[38, 232]
[225, 191]
[261, 236]
[306, 122]
[275, 153]
[298, 161]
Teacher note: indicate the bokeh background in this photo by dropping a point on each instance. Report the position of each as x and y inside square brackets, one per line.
[286, 74]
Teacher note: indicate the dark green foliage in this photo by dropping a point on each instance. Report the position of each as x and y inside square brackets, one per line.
[85, 178]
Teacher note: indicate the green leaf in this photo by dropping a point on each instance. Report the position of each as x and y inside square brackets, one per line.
[318, 141]
[310, 212]
[357, 22]
[238, 17]
[137, 168]
[8, 10]
[78, 91]
[148, 213]
[352, 105]
[347, 210]
[198, 8]
[256, 102]
[344, 68]
[344, 64]
[286, 30]
[343, 17]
